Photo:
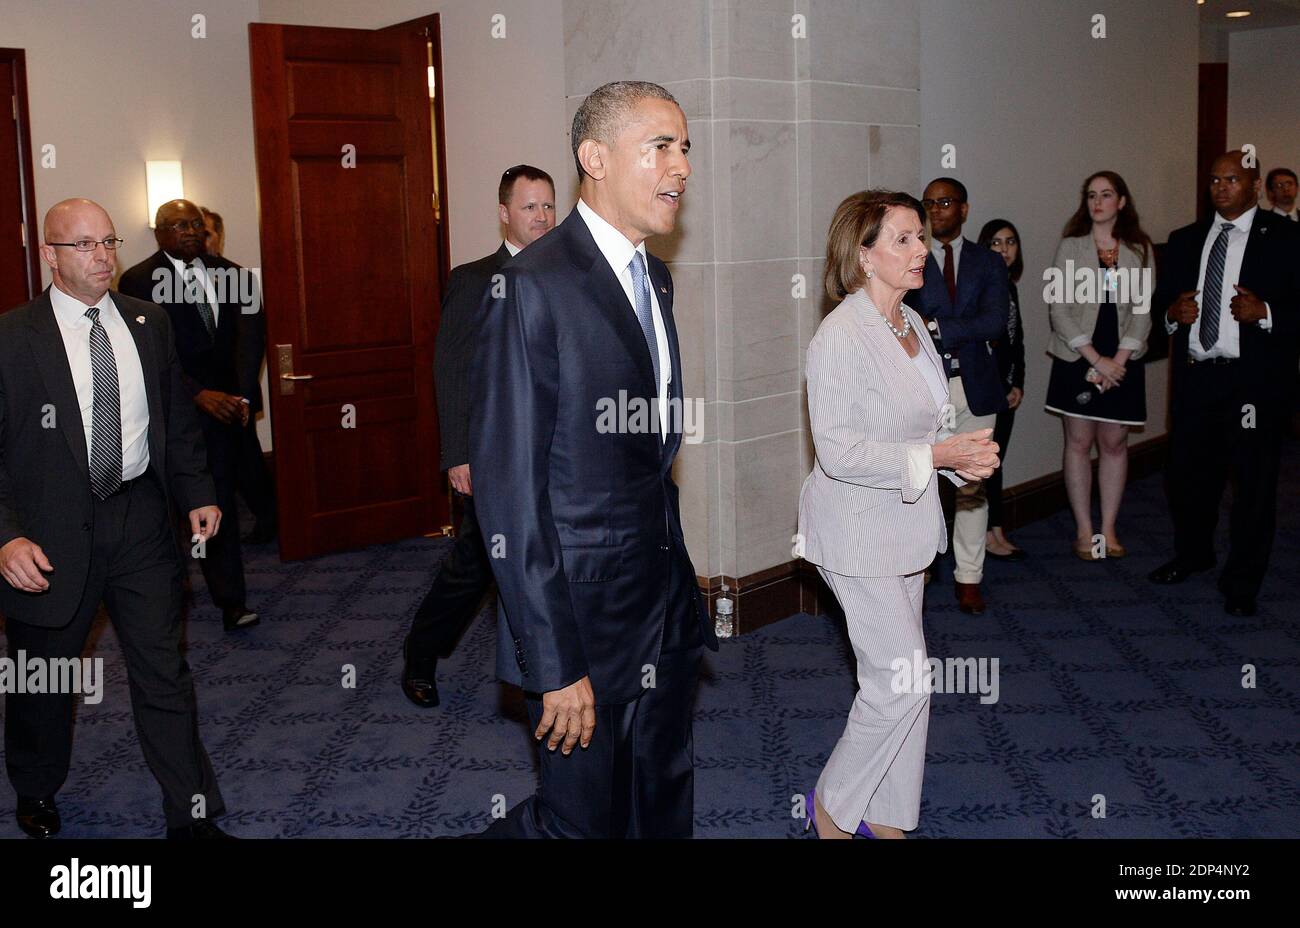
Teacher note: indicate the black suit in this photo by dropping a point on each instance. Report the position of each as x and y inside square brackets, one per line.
[228, 361]
[463, 578]
[1213, 429]
[131, 564]
[594, 575]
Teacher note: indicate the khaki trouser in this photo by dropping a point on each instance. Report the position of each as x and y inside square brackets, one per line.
[970, 521]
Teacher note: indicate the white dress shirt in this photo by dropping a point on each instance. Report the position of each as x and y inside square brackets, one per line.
[618, 251]
[206, 281]
[1293, 215]
[1229, 343]
[936, 249]
[74, 325]
[511, 247]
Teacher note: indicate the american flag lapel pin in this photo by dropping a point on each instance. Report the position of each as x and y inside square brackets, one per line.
[663, 289]
[140, 319]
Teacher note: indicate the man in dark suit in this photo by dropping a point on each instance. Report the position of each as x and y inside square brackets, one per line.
[965, 301]
[1230, 297]
[211, 303]
[97, 439]
[602, 621]
[526, 208]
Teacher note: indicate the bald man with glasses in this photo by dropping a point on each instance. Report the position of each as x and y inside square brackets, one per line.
[98, 439]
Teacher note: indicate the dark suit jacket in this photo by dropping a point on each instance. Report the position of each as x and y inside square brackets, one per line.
[980, 316]
[232, 361]
[589, 520]
[457, 337]
[1270, 269]
[1010, 348]
[44, 472]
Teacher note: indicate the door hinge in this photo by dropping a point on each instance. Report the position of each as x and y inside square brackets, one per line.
[13, 100]
[22, 233]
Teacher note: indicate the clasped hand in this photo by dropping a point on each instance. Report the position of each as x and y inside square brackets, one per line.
[971, 455]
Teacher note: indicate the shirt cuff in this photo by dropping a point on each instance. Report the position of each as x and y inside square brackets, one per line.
[920, 465]
[1079, 341]
[1170, 327]
[1267, 322]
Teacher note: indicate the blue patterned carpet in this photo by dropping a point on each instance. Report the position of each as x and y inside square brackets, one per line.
[1109, 686]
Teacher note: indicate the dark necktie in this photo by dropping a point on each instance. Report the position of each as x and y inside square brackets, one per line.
[106, 412]
[950, 274]
[1213, 290]
[641, 289]
[194, 292]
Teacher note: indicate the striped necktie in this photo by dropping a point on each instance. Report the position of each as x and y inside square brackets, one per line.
[1214, 287]
[106, 414]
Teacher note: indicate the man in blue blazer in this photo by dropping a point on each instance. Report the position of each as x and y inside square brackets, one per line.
[965, 301]
[603, 623]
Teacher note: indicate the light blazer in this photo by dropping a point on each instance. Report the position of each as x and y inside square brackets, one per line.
[1072, 321]
[870, 507]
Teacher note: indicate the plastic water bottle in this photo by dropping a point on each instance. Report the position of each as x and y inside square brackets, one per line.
[723, 624]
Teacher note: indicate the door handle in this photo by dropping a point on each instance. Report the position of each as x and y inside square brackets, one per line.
[288, 379]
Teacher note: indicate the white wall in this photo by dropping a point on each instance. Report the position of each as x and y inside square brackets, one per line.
[1033, 105]
[503, 103]
[113, 85]
[1263, 76]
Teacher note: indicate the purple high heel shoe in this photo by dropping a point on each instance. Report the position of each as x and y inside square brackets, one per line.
[810, 809]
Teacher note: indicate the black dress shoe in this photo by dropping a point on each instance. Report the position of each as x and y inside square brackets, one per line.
[234, 619]
[1241, 606]
[202, 829]
[1016, 555]
[418, 678]
[39, 818]
[1176, 571]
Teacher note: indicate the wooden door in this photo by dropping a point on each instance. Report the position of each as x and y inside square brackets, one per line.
[351, 282]
[20, 274]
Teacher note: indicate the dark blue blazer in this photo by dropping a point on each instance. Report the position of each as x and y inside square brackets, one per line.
[583, 524]
[980, 316]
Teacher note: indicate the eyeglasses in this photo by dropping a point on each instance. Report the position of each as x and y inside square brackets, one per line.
[181, 225]
[112, 243]
[942, 202]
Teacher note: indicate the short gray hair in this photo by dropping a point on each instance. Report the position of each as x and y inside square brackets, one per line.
[605, 113]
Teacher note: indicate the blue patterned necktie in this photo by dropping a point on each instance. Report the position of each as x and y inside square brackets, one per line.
[641, 288]
[1213, 290]
[106, 412]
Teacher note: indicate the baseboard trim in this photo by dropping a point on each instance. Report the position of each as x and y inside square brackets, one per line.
[773, 594]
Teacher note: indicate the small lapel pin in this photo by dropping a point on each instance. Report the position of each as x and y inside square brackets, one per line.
[663, 289]
[140, 319]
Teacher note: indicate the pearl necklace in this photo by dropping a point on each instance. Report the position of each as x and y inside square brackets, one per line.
[907, 326]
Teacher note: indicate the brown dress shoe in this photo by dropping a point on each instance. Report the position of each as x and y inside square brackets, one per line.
[969, 600]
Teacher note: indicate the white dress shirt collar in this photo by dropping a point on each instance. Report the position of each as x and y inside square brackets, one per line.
[511, 247]
[1242, 222]
[72, 312]
[613, 244]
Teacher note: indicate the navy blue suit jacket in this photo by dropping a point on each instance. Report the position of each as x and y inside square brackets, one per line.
[582, 524]
[980, 316]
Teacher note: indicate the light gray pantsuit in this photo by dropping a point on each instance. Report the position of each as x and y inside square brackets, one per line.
[870, 519]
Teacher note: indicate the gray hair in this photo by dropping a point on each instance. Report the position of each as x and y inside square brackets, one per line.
[606, 112]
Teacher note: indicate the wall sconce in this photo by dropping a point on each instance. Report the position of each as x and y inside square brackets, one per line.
[163, 182]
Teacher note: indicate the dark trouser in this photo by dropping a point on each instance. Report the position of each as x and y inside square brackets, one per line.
[453, 600]
[223, 560]
[1209, 438]
[135, 571]
[993, 485]
[254, 478]
[637, 777]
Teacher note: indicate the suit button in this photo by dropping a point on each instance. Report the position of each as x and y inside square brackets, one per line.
[947, 355]
[663, 547]
[85, 526]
